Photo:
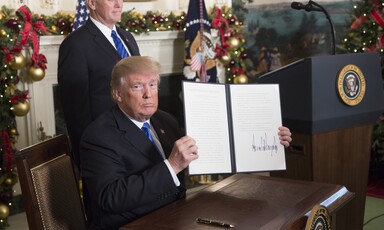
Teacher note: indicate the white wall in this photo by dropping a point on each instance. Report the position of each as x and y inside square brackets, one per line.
[49, 7]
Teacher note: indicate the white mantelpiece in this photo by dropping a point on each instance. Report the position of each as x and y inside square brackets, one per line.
[165, 46]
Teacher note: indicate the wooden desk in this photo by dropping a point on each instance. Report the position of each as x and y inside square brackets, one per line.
[247, 201]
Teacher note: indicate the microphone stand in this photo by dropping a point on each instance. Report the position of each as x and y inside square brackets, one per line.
[309, 7]
[330, 23]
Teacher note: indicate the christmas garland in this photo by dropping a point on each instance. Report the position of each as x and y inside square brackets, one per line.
[366, 32]
[18, 33]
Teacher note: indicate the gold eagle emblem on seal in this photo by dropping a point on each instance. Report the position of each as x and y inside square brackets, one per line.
[351, 85]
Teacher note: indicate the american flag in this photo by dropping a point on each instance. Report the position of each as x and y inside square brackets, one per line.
[197, 61]
[82, 13]
[195, 58]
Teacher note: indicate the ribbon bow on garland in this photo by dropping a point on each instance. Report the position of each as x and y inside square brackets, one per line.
[377, 18]
[30, 33]
[218, 22]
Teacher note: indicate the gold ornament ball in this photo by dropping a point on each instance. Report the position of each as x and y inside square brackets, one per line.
[54, 28]
[18, 62]
[225, 59]
[241, 79]
[21, 108]
[13, 132]
[3, 33]
[234, 43]
[8, 181]
[36, 73]
[4, 211]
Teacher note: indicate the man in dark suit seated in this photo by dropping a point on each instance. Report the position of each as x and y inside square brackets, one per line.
[126, 173]
[86, 59]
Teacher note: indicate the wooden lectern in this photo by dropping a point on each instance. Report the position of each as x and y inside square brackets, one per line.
[330, 103]
[248, 202]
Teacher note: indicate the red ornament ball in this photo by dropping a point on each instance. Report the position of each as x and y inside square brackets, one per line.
[6, 196]
[159, 19]
[176, 24]
[63, 24]
[132, 23]
[151, 16]
[12, 24]
[231, 20]
[143, 25]
[243, 55]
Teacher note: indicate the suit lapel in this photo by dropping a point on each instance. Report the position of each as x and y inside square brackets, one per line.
[161, 131]
[102, 41]
[135, 136]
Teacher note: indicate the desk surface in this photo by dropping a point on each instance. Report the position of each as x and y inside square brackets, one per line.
[247, 201]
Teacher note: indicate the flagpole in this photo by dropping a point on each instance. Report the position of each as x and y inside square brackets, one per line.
[203, 71]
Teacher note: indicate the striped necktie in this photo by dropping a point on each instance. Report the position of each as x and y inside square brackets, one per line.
[119, 45]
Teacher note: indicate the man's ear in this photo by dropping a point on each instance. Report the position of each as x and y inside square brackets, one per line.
[91, 4]
[116, 94]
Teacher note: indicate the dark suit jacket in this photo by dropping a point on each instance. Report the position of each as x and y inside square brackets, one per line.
[123, 175]
[86, 59]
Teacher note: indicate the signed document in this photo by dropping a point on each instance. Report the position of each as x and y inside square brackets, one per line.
[235, 127]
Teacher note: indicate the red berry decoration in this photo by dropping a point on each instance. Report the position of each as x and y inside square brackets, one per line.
[234, 70]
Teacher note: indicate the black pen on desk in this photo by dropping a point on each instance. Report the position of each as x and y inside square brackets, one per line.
[214, 222]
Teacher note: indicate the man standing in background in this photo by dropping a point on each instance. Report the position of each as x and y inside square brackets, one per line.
[86, 59]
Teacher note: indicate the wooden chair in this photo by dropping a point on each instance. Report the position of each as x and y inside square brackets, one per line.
[49, 186]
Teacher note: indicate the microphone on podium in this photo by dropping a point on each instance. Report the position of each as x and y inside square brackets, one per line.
[313, 6]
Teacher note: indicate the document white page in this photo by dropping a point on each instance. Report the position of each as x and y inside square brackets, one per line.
[256, 116]
[206, 121]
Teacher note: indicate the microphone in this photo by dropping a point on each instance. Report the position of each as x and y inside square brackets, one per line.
[310, 7]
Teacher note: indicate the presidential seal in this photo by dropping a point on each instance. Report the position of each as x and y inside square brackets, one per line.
[351, 85]
[318, 219]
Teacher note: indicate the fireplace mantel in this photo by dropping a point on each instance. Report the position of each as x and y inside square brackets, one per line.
[165, 46]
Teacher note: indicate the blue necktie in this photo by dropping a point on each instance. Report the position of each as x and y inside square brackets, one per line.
[119, 45]
[147, 130]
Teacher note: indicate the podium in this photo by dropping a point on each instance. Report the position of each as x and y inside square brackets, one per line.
[330, 103]
[248, 202]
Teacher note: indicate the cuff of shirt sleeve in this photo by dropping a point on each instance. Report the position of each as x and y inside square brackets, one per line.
[174, 176]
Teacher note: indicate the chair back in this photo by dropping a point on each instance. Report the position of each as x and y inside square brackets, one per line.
[49, 186]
